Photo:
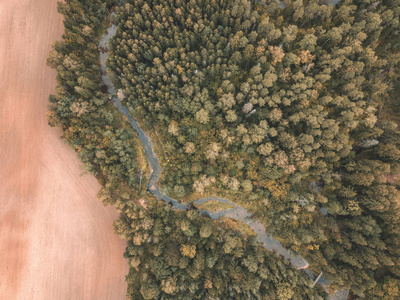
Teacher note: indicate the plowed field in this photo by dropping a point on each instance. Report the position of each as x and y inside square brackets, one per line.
[56, 238]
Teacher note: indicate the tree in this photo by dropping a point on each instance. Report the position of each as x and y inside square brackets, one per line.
[202, 116]
[173, 128]
[188, 250]
[206, 230]
[150, 291]
[189, 147]
[169, 285]
[284, 292]
[247, 107]
[231, 116]
[265, 149]
[179, 190]
[247, 185]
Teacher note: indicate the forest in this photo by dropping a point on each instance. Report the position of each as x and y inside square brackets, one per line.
[182, 255]
[291, 109]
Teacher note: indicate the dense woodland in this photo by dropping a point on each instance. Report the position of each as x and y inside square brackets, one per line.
[287, 108]
[108, 147]
[181, 255]
[89, 122]
[280, 105]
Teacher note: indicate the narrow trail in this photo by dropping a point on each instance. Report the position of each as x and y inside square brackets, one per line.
[237, 212]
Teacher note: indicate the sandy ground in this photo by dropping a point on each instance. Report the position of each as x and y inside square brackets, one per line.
[56, 238]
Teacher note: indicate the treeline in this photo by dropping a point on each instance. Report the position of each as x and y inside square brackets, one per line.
[90, 123]
[281, 105]
[182, 255]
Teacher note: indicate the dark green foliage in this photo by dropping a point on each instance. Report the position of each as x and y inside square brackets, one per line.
[225, 78]
[89, 123]
[168, 264]
[262, 100]
[257, 100]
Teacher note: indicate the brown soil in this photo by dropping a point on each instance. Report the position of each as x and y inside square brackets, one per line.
[56, 238]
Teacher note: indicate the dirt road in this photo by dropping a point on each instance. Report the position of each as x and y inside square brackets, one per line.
[56, 238]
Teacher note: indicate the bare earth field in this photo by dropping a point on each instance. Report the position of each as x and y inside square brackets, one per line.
[56, 238]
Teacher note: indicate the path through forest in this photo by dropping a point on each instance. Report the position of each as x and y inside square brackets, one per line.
[237, 212]
[56, 238]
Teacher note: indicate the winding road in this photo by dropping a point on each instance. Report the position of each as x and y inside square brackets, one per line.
[237, 212]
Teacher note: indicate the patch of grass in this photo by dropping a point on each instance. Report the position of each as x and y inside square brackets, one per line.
[238, 225]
